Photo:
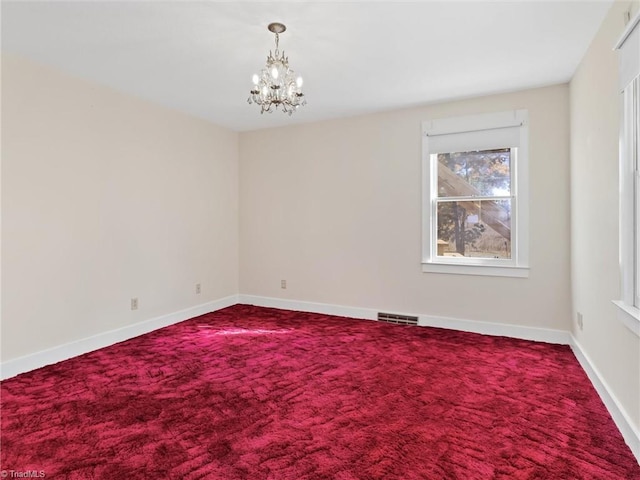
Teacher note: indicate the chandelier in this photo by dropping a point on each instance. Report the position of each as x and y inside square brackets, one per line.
[276, 85]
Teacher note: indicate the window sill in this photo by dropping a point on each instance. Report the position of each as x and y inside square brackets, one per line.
[484, 270]
[629, 315]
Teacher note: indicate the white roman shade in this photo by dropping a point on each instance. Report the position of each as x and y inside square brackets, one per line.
[629, 47]
[479, 132]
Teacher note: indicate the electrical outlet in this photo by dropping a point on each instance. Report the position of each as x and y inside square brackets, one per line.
[198, 289]
[579, 320]
[283, 284]
[134, 304]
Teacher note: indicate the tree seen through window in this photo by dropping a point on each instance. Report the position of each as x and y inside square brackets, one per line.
[474, 203]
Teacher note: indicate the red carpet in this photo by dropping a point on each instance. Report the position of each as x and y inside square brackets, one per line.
[256, 393]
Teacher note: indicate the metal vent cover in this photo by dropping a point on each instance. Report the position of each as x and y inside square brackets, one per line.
[397, 318]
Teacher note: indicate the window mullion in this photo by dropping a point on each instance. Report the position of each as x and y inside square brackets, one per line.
[474, 198]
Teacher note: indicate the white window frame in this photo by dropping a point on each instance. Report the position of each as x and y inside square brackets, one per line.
[629, 74]
[478, 126]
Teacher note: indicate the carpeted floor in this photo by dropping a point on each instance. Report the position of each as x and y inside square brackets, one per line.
[256, 393]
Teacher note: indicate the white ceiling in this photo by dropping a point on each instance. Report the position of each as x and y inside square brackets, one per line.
[355, 57]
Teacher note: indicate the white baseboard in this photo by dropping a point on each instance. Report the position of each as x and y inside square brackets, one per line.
[547, 335]
[13, 367]
[620, 416]
[496, 329]
[40, 359]
[312, 307]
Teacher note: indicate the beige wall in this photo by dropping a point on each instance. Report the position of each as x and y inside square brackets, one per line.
[614, 350]
[105, 198]
[335, 209]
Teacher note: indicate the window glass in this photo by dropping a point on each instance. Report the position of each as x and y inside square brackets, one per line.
[483, 173]
[480, 229]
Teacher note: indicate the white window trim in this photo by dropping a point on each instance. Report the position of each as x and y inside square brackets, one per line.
[518, 265]
[628, 313]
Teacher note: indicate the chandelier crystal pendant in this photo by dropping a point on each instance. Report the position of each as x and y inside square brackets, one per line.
[277, 85]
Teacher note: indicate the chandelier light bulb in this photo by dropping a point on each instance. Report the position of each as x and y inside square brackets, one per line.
[277, 85]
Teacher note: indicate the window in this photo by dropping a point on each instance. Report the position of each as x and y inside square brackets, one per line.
[475, 195]
[629, 179]
[629, 47]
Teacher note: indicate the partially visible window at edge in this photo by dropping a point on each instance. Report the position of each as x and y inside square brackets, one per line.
[629, 77]
[475, 194]
[630, 194]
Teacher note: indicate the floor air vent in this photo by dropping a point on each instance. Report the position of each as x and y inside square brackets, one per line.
[399, 319]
